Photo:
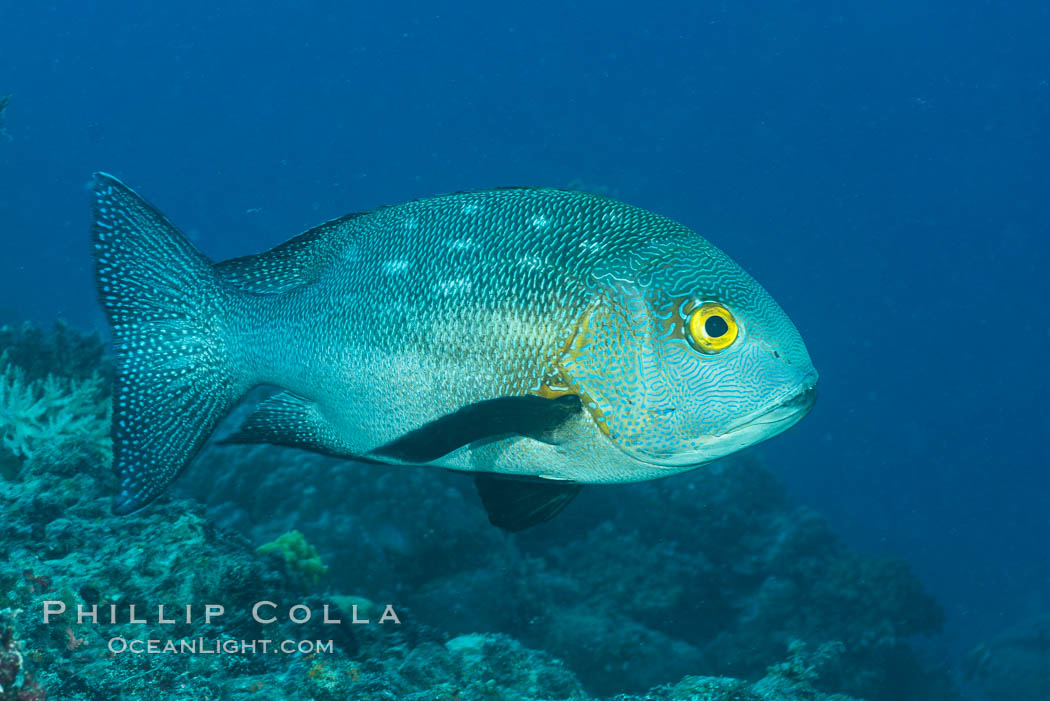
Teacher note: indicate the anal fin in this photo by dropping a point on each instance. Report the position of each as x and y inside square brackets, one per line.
[515, 503]
[288, 420]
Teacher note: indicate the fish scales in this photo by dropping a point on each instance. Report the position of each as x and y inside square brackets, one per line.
[482, 289]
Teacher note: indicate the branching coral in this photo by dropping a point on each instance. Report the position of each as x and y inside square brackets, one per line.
[53, 416]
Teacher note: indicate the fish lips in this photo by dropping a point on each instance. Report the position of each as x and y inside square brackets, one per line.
[754, 428]
[789, 410]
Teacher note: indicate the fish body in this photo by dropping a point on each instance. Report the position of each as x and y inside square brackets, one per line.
[554, 336]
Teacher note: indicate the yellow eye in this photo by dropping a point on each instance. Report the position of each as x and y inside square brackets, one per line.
[712, 328]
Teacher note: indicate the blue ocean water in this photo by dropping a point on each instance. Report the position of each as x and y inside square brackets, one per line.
[881, 169]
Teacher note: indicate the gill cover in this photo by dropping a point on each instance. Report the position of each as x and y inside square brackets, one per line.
[628, 371]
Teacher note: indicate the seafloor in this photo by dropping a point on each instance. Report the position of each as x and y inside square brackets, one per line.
[712, 585]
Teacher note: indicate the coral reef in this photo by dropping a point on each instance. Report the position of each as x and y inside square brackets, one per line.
[790, 680]
[1014, 665]
[60, 350]
[15, 683]
[52, 418]
[714, 572]
[63, 546]
[711, 586]
[54, 398]
[65, 549]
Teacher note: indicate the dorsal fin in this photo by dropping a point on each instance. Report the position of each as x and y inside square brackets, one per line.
[295, 262]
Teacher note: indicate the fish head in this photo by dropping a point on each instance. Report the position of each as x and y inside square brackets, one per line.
[683, 358]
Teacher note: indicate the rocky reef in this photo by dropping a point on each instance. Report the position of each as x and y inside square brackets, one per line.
[712, 585]
[1015, 664]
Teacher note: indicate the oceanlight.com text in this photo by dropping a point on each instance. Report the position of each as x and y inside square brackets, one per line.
[206, 646]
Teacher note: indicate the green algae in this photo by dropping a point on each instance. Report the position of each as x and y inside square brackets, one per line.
[301, 559]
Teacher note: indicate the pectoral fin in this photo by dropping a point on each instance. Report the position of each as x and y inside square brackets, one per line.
[515, 504]
[528, 415]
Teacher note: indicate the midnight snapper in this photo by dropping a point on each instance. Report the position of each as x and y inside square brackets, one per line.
[540, 339]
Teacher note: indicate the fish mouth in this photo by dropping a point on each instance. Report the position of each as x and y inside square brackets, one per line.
[778, 416]
[789, 409]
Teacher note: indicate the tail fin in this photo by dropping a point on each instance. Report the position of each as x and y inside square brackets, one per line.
[167, 307]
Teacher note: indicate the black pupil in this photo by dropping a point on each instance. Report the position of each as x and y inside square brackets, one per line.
[715, 326]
